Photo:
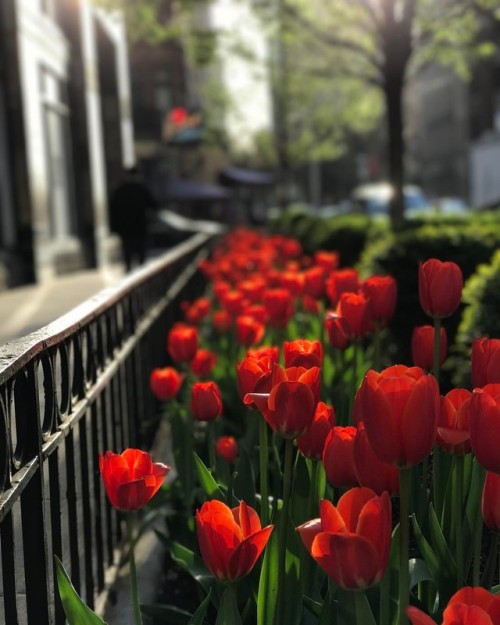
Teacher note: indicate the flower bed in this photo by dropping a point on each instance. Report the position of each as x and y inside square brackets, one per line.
[317, 482]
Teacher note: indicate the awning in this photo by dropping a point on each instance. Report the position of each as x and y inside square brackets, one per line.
[236, 176]
[179, 190]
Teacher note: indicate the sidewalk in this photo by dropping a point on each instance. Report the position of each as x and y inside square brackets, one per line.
[29, 308]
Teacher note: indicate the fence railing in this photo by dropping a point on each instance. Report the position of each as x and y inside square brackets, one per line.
[75, 388]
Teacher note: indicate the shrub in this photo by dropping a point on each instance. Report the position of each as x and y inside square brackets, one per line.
[480, 317]
[469, 243]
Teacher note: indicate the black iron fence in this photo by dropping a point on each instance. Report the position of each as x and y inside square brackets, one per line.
[75, 388]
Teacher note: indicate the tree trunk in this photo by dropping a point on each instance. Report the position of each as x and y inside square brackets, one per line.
[394, 103]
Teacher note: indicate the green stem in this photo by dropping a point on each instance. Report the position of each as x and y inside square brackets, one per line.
[287, 480]
[133, 572]
[385, 597]
[263, 456]
[313, 491]
[404, 541]
[459, 463]
[478, 538]
[437, 485]
[211, 444]
[437, 349]
[230, 487]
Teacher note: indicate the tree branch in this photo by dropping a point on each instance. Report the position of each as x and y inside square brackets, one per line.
[330, 40]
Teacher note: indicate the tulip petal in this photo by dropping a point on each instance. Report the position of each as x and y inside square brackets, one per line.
[375, 524]
[350, 560]
[331, 520]
[218, 536]
[462, 614]
[420, 419]
[471, 595]
[484, 427]
[351, 503]
[308, 532]
[417, 617]
[382, 428]
[247, 553]
[247, 518]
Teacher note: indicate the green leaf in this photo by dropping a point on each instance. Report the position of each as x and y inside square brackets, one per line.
[419, 572]
[199, 615]
[473, 520]
[228, 611]
[268, 586]
[313, 606]
[77, 612]
[207, 480]
[244, 482]
[166, 614]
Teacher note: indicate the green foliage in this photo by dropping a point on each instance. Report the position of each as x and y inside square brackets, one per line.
[77, 612]
[347, 234]
[481, 296]
[468, 242]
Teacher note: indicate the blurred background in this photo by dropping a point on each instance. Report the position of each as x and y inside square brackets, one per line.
[234, 111]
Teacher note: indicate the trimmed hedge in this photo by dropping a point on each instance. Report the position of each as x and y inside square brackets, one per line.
[347, 234]
[468, 243]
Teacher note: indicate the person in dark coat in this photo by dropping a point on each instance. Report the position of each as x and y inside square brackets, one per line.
[129, 206]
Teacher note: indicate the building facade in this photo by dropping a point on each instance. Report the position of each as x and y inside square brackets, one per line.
[65, 133]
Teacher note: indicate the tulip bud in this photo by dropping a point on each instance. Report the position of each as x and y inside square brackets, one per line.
[439, 287]
[206, 401]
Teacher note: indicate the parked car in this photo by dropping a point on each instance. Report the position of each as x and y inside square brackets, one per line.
[374, 199]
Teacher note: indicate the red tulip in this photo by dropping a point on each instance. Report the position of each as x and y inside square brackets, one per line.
[253, 288]
[248, 330]
[303, 353]
[314, 282]
[370, 471]
[485, 362]
[254, 375]
[453, 425]
[400, 410]
[382, 293]
[356, 309]
[439, 287]
[230, 541]
[327, 260]
[351, 542]
[422, 346]
[290, 406]
[312, 441]
[234, 302]
[195, 312]
[182, 342]
[165, 383]
[339, 333]
[203, 362]
[468, 606]
[226, 447]
[292, 281]
[270, 351]
[279, 307]
[206, 401]
[484, 426]
[310, 305]
[341, 281]
[222, 321]
[131, 479]
[338, 458]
